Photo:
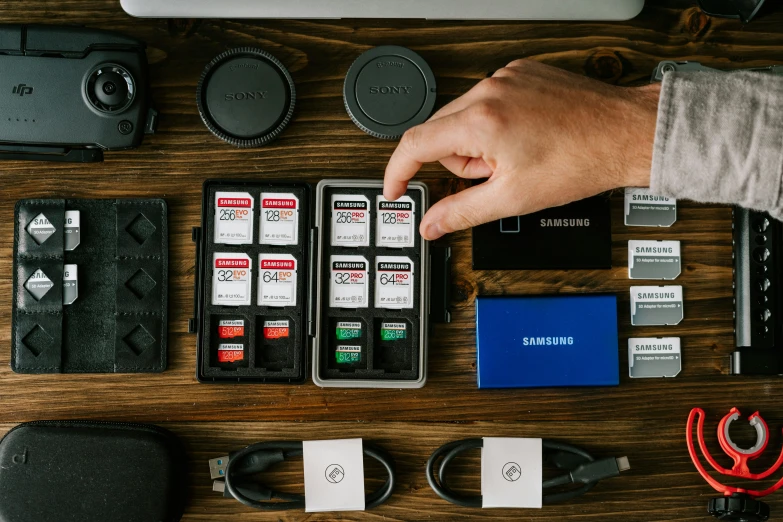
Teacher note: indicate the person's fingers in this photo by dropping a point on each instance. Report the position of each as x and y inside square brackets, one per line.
[428, 142]
[469, 208]
[470, 168]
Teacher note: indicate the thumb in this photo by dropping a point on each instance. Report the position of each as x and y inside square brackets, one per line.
[476, 205]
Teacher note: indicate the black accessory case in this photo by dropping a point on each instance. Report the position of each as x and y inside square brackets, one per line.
[84, 471]
[285, 360]
[118, 323]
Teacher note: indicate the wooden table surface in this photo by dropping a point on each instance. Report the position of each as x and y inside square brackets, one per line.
[643, 419]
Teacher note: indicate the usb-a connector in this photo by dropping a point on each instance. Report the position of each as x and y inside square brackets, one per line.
[217, 467]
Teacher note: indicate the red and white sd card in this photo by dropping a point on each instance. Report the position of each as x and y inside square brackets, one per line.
[277, 329]
[230, 352]
[230, 328]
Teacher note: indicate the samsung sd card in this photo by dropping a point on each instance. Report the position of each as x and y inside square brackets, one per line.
[392, 331]
[70, 284]
[394, 222]
[347, 330]
[350, 220]
[231, 328]
[231, 279]
[654, 357]
[656, 305]
[279, 219]
[233, 218]
[654, 259]
[276, 280]
[278, 329]
[348, 282]
[230, 353]
[73, 230]
[40, 229]
[38, 284]
[644, 209]
[394, 282]
[348, 354]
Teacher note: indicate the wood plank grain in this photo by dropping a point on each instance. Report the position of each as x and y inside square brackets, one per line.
[644, 418]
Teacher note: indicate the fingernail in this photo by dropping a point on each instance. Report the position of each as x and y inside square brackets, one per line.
[432, 231]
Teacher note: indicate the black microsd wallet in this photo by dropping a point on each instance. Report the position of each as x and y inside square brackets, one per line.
[84, 471]
[90, 286]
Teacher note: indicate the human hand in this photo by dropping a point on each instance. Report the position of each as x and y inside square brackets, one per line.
[542, 136]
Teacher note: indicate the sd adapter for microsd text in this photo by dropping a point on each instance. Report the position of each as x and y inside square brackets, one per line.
[71, 93]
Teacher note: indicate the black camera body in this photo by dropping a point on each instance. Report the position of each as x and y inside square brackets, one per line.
[70, 93]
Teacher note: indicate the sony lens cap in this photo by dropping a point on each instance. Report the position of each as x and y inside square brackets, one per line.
[388, 90]
[246, 97]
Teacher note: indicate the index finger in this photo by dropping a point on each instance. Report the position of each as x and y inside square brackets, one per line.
[425, 143]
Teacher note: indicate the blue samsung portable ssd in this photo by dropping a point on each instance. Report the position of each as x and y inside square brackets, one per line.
[543, 341]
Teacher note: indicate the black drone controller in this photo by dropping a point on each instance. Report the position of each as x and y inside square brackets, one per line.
[70, 93]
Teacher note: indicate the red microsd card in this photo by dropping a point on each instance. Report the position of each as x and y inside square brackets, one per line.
[276, 329]
[228, 329]
[228, 353]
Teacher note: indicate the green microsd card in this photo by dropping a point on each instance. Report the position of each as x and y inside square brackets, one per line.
[348, 354]
[393, 331]
[348, 331]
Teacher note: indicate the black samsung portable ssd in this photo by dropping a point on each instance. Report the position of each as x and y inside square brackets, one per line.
[84, 471]
[573, 236]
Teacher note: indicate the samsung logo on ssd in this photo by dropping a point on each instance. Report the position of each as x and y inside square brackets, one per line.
[547, 341]
[564, 223]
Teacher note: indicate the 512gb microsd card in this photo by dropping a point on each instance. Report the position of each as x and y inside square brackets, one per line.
[656, 305]
[654, 260]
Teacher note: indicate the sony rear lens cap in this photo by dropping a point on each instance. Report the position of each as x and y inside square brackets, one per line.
[246, 97]
[388, 90]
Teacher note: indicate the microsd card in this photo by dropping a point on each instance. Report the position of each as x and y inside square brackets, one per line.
[278, 329]
[348, 283]
[230, 352]
[395, 222]
[394, 280]
[348, 354]
[391, 331]
[276, 280]
[348, 330]
[40, 229]
[38, 284]
[350, 220]
[654, 357]
[231, 328]
[233, 218]
[231, 279]
[70, 284]
[73, 230]
[654, 259]
[656, 305]
[279, 219]
[645, 209]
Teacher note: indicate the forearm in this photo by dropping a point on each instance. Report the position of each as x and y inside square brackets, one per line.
[719, 139]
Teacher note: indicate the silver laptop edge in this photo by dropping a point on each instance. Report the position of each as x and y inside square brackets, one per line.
[428, 9]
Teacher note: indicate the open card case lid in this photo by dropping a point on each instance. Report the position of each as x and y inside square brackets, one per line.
[287, 314]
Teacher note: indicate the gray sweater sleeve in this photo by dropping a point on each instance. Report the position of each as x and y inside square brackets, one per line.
[719, 139]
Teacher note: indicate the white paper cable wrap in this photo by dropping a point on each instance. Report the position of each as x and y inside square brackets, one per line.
[334, 475]
[512, 473]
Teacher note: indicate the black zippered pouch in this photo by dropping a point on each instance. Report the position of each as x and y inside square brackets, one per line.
[85, 471]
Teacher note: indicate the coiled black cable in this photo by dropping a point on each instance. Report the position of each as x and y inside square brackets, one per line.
[581, 466]
[261, 456]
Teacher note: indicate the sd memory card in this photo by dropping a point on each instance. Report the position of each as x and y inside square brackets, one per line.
[348, 284]
[394, 282]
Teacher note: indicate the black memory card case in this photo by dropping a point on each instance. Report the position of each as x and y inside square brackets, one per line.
[118, 322]
[86, 471]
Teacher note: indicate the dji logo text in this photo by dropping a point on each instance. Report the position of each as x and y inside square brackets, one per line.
[22, 89]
